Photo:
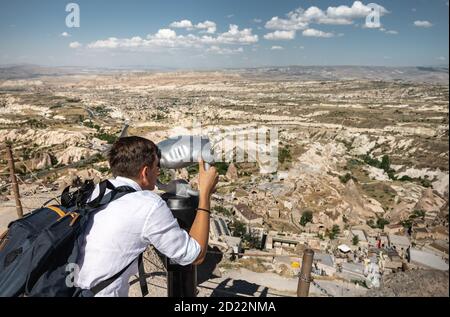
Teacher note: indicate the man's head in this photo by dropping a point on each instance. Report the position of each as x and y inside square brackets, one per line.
[135, 158]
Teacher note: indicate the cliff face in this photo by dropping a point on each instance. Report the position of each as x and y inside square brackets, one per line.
[417, 283]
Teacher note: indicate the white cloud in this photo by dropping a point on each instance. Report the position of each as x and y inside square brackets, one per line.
[210, 26]
[316, 15]
[224, 51]
[423, 24]
[75, 45]
[316, 33]
[234, 36]
[165, 34]
[441, 58]
[167, 38]
[257, 20]
[277, 48]
[392, 32]
[356, 11]
[301, 19]
[293, 23]
[183, 24]
[280, 35]
[65, 34]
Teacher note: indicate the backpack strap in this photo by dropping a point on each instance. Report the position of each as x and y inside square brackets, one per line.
[115, 193]
[102, 189]
[142, 280]
[143, 283]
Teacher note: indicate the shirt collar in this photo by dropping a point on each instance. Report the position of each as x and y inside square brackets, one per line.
[129, 182]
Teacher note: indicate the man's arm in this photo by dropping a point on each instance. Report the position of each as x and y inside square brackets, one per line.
[200, 228]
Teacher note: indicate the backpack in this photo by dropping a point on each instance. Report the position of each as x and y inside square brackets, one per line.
[38, 251]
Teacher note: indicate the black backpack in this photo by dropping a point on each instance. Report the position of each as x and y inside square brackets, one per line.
[36, 252]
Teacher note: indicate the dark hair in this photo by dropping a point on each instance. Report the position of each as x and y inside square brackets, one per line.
[129, 155]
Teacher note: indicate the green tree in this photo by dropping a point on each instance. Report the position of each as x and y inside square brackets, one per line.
[110, 138]
[251, 241]
[223, 210]
[222, 167]
[239, 229]
[334, 232]
[407, 224]
[381, 222]
[385, 163]
[418, 214]
[345, 178]
[355, 240]
[165, 176]
[307, 216]
[425, 182]
[285, 155]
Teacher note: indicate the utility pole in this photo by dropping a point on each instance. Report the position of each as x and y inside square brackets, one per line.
[304, 279]
[15, 186]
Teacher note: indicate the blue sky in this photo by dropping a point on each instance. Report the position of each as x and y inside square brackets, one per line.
[223, 34]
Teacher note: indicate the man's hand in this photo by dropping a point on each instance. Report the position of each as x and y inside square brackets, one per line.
[207, 180]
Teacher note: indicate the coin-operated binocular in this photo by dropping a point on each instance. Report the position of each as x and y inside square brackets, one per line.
[176, 153]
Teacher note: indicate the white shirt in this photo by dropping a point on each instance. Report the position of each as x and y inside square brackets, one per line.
[116, 235]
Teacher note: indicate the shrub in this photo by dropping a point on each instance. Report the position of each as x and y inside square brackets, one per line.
[344, 179]
[407, 224]
[425, 182]
[251, 241]
[103, 169]
[384, 164]
[381, 222]
[307, 216]
[417, 214]
[222, 167]
[239, 229]
[405, 178]
[223, 210]
[285, 155]
[164, 176]
[110, 138]
[334, 232]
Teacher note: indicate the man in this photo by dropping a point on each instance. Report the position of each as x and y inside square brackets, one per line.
[120, 232]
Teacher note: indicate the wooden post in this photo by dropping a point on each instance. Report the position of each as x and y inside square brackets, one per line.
[15, 186]
[304, 279]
